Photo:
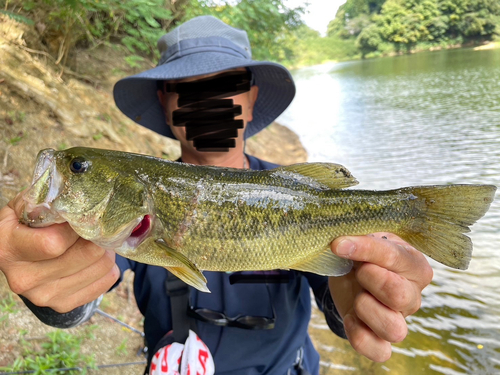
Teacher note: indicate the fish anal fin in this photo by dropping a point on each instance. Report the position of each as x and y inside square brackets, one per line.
[185, 270]
[326, 175]
[325, 263]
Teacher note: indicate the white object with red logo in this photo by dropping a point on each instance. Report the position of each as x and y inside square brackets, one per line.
[191, 358]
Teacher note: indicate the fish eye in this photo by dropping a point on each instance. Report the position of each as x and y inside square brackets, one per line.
[78, 165]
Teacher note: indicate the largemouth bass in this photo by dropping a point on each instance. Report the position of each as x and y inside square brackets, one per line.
[189, 218]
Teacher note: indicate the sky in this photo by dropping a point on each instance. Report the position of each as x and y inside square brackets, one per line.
[321, 12]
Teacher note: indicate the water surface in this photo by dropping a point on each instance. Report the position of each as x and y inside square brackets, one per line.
[427, 118]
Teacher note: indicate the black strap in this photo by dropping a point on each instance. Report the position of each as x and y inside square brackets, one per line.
[178, 292]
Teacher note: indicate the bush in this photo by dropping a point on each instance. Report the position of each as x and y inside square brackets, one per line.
[66, 23]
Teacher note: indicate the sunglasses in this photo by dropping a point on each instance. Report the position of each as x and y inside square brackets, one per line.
[239, 321]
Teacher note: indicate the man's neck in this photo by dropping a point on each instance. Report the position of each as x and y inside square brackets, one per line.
[234, 158]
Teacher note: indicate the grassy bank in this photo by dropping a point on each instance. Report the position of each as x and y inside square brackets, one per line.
[342, 51]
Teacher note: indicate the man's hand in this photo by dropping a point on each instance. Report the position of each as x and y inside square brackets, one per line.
[383, 288]
[52, 266]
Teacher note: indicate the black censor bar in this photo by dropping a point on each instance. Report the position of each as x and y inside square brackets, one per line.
[208, 118]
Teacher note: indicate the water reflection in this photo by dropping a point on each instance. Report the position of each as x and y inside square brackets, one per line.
[429, 118]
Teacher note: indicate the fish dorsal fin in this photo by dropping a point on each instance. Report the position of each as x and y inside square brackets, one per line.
[187, 270]
[320, 175]
[325, 263]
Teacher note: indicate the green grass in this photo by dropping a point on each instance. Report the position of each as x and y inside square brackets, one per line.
[121, 350]
[8, 305]
[62, 146]
[15, 140]
[58, 350]
[97, 136]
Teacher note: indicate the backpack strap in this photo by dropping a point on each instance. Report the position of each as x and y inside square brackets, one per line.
[178, 292]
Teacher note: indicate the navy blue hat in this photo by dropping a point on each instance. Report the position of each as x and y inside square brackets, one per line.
[204, 45]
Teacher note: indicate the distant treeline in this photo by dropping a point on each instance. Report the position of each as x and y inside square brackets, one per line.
[360, 28]
[379, 26]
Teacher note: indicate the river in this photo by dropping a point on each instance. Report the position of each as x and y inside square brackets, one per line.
[426, 118]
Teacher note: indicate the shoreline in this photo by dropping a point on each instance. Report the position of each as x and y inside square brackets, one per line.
[487, 45]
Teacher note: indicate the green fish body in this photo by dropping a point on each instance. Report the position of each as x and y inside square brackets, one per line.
[189, 218]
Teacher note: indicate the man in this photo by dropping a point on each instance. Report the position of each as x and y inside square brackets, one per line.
[259, 327]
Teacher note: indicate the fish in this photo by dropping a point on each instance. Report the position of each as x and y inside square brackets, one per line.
[189, 218]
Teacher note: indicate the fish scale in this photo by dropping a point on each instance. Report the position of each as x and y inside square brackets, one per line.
[287, 235]
[223, 219]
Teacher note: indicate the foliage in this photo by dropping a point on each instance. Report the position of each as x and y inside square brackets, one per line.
[276, 32]
[350, 13]
[8, 305]
[311, 49]
[268, 23]
[408, 24]
[65, 23]
[59, 350]
[138, 24]
[17, 17]
[405, 23]
[368, 40]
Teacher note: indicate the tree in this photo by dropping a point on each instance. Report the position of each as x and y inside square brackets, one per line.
[351, 15]
[407, 22]
[368, 40]
[480, 19]
[267, 22]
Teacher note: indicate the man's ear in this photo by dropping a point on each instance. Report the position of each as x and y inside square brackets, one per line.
[161, 98]
[253, 94]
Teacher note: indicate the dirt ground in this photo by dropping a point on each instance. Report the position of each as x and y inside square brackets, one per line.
[45, 105]
[110, 343]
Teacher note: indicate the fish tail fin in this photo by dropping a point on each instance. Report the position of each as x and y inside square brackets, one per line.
[445, 214]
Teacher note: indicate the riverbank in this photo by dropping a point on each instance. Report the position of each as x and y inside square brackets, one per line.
[45, 105]
[431, 48]
[489, 45]
[486, 45]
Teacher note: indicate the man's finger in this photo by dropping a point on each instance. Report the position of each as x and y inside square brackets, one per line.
[386, 323]
[364, 340]
[78, 257]
[35, 244]
[394, 291]
[89, 293]
[49, 294]
[396, 256]
[17, 204]
[32, 244]
[81, 255]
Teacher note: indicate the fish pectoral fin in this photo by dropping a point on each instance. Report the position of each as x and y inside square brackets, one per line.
[325, 263]
[187, 270]
[333, 176]
[194, 279]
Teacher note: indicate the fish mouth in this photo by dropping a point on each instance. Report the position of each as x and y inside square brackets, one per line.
[46, 185]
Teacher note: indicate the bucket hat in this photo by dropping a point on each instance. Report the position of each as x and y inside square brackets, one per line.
[204, 45]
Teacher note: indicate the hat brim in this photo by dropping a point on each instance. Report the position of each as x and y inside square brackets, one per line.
[136, 96]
